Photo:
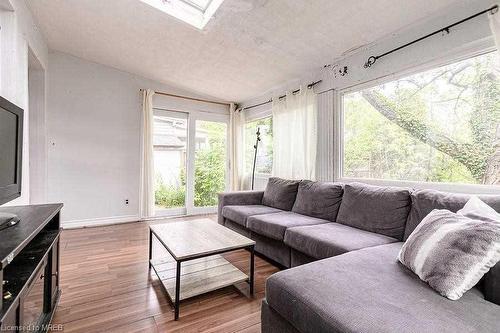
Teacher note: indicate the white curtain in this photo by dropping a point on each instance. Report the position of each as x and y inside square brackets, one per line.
[325, 158]
[236, 147]
[295, 135]
[147, 199]
[495, 28]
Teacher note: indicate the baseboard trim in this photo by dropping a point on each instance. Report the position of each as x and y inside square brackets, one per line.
[99, 222]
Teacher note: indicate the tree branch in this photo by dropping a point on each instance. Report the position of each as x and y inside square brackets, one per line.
[467, 154]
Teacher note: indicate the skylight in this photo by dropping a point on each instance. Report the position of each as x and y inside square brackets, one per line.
[195, 12]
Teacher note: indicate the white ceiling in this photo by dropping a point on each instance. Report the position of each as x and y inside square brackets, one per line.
[248, 48]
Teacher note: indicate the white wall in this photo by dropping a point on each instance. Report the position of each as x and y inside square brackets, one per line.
[464, 39]
[18, 34]
[94, 130]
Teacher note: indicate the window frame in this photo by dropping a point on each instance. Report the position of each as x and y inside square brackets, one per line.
[339, 129]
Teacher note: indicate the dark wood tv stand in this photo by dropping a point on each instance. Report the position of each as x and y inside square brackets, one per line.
[29, 268]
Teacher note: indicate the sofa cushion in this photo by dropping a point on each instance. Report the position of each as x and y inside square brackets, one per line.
[370, 291]
[237, 198]
[318, 199]
[424, 201]
[239, 214]
[379, 209]
[280, 193]
[331, 239]
[452, 252]
[274, 225]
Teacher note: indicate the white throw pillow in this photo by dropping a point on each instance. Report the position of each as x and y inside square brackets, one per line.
[477, 209]
[452, 252]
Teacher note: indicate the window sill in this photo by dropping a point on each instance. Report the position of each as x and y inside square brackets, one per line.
[447, 187]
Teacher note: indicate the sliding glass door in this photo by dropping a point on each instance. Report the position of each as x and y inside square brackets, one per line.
[191, 161]
[170, 147]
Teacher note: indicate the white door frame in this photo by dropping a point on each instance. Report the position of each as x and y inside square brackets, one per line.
[192, 117]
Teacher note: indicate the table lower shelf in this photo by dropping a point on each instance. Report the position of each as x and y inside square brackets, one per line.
[198, 276]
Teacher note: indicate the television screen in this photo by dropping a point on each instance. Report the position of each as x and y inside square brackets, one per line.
[8, 145]
[11, 148]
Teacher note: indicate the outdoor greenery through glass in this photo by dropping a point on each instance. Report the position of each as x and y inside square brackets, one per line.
[170, 162]
[442, 125]
[169, 145]
[210, 162]
[264, 162]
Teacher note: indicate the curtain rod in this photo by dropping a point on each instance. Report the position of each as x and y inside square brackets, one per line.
[309, 86]
[372, 59]
[190, 98]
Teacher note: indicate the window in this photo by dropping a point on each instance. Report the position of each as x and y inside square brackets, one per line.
[442, 125]
[190, 161]
[210, 162]
[194, 12]
[264, 160]
[170, 155]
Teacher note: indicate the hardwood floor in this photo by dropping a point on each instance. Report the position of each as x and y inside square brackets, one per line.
[106, 286]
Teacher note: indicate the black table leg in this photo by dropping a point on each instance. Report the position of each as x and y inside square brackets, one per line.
[177, 290]
[150, 247]
[252, 268]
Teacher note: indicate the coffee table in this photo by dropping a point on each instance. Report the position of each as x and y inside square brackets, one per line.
[197, 244]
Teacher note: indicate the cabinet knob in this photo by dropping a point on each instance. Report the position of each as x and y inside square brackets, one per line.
[7, 295]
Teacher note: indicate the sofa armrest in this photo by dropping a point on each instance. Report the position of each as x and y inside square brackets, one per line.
[238, 198]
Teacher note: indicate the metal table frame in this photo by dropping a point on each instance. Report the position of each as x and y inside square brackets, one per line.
[250, 248]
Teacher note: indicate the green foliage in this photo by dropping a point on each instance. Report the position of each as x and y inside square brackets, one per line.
[169, 196]
[264, 163]
[210, 171]
[435, 126]
[210, 165]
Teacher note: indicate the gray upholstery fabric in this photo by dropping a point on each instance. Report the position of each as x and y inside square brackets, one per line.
[273, 249]
[491, 285]
[274, 225]
[318, 199]
[424, 201]
[370, 291]
[455, 261]
[237, 198]
[272, 322]
[280, 193]
[331, 239]
[378, 209]
[239, 214]
[298, 258]
[237, 227]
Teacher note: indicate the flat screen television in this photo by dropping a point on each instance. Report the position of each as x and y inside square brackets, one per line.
[11, 148]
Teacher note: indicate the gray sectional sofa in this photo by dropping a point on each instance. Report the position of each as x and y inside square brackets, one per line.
[341, 243]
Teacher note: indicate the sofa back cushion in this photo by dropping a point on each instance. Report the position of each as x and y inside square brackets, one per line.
[318, 199]
[280, 193]
[491, 285]
[378, 209]
[424, 201]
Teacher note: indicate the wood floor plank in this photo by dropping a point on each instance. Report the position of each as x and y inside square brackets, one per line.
[107, 287]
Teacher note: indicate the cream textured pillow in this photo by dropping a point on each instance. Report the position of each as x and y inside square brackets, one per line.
[452, 252]
[477, 209]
